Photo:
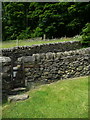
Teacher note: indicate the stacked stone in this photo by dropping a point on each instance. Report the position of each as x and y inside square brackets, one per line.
[7, 52]
[46, 63]
[20, 51]
[50, 67]
[6, 74]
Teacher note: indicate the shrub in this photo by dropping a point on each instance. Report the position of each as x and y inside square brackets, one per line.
[37, 33]
[86, 35]
[25, 34]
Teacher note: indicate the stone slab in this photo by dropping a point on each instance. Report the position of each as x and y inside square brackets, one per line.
[18, 98]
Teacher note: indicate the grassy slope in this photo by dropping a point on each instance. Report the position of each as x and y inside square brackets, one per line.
[13, 43]
[62, 99]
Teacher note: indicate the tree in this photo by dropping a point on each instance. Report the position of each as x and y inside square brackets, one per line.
[14, 19]
[34, 19]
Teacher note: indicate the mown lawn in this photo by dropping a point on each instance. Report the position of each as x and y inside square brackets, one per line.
[62, 99]
[13, 43]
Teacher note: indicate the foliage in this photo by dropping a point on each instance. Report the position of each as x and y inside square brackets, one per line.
[24, 34]
[38, 18]
[86, 34]
[37, 32]
[63, 99]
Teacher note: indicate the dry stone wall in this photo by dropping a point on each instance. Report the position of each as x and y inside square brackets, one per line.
[50, 67]
[17, 52]
[44, 63]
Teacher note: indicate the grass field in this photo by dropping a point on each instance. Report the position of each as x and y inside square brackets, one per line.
[13, 43]
[61, 99]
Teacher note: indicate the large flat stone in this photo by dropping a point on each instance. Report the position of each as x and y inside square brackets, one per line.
[5, 59]
[18, 98]
[26, 59]
[19, 89]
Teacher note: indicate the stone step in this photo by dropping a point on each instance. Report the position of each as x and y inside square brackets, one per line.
[16, 91]
[15, 98]
[19, 89]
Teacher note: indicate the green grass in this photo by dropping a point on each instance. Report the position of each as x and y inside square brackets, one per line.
[13, 43]
[62, 99]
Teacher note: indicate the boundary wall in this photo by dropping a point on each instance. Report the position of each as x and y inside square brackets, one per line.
[50, 67]
[17, 52]
[45, 68]
[41, 64]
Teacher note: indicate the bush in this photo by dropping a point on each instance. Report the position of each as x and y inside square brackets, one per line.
[86, 35]
[37, 33]
[25, 34]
